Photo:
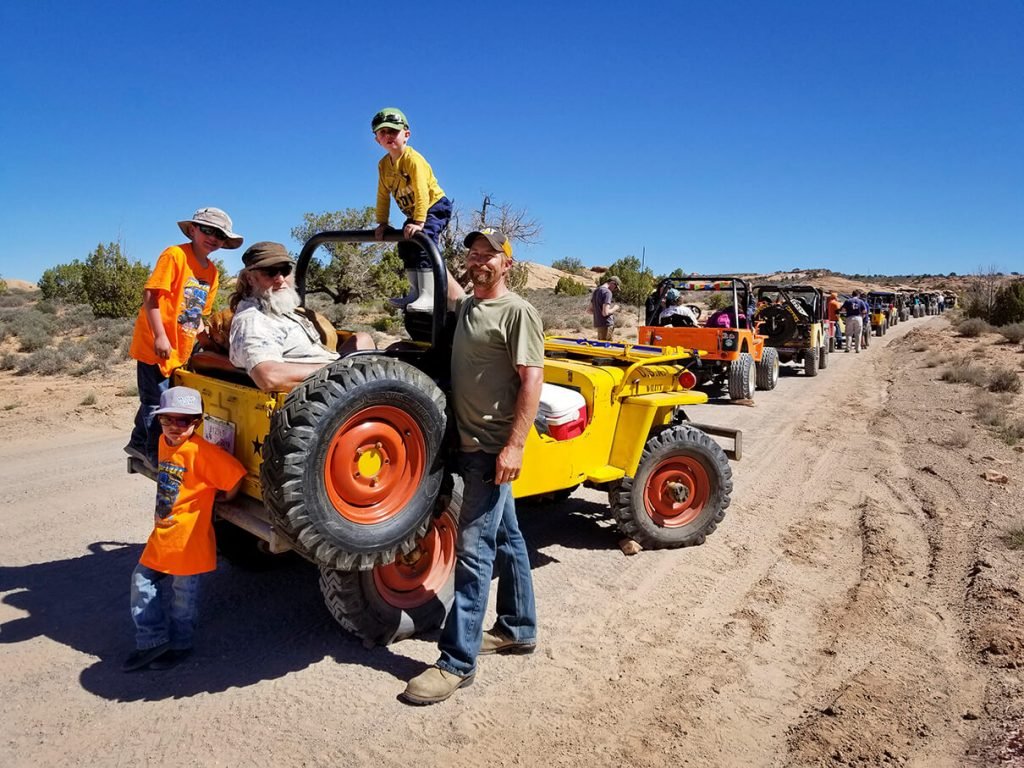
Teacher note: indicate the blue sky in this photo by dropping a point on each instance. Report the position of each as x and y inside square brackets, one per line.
[714, 136]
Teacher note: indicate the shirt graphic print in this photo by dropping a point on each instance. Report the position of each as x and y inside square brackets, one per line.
[168, 484]
[193, 300]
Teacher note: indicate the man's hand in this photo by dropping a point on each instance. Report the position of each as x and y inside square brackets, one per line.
[509, 464]
[379, 231]
[411, 229]
[162, 347]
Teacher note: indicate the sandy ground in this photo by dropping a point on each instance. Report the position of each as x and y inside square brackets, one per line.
[857, 607]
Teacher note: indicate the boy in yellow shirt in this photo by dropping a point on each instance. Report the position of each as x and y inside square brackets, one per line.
[182, 544]
[180, 290]
[406, 175]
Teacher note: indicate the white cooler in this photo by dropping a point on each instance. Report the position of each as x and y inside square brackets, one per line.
[562, 412]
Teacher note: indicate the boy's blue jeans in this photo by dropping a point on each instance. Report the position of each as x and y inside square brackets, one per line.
[146, 434]
[155, 623]
[489, 542]
[438, 215]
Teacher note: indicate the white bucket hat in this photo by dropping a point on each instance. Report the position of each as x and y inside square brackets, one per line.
[213, 217]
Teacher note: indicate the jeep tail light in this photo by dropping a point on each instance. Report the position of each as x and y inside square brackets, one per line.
[687, 380]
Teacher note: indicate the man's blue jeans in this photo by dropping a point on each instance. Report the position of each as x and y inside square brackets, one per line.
[489, 541]
[152, 383]
[155, 623]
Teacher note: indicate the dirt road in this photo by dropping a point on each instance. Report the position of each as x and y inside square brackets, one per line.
[856, 607]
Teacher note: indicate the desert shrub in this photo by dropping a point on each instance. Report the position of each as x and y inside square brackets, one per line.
[33, 338]
[973, 327]
[73, 351]
[45, 362]
[991, 410]
[1013, 432]
[920, 346]
[30, 320]
[570, 287]
[129, 391]
[89, 399]
[386, 324]
[3, 286]
[112, 283]
[1014, 537]
[12, 300]
[1004, 380]
[47, 307]
[8, 362]
[568, 264]
[963, 371]
[517, 276]
[1014, 332]
[718, 300]
[961, 438]
[1008, 306]
[933, 361]
[91, 365]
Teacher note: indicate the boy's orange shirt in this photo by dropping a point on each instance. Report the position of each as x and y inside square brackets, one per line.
[186, 292]
[189, 476]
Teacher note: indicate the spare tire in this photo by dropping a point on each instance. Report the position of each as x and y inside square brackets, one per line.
[351, 465]
[777, 323]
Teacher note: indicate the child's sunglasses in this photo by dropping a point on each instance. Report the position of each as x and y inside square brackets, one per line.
[281, 269]
[182, 422]
[212, 232]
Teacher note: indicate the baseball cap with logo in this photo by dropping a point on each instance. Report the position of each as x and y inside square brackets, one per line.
[389, 117]
[495, 237]
[216, 218]
[184, 400]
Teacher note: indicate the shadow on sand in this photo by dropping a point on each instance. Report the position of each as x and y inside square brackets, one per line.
[254, 625]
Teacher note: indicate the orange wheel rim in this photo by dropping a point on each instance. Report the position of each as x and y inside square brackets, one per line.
[676, 491]
[374, 464]
[415, 579]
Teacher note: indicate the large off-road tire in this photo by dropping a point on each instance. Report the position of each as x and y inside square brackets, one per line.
[811, 362]
[823, 356]
[767, 370]
[350, 466]
[777, 323]
[407, 597]
[741, 377]
[680, 492]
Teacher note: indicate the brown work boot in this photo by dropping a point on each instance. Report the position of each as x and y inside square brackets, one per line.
[495, 642]
[433, 686]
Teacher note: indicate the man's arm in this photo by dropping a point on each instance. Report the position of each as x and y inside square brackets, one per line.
[510, 460]
[274, 376]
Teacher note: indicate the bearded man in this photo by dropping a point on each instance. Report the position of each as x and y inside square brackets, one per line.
[276, 346]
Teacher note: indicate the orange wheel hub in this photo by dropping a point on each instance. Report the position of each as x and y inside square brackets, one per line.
[374, 464]
[676, 491]
[418, 577]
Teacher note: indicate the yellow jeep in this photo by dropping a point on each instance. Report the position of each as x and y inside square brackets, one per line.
[346, 469]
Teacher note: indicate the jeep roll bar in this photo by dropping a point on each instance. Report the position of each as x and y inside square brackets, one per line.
[739, 286]
[390, 236]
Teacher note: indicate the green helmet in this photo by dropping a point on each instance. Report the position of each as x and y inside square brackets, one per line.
[389, 117]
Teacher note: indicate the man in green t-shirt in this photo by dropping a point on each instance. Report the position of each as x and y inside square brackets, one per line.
[497, 372]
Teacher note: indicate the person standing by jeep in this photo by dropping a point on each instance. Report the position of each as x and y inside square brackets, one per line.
[853, 310]
[497, 372]
[180, 290]
[603, 308]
